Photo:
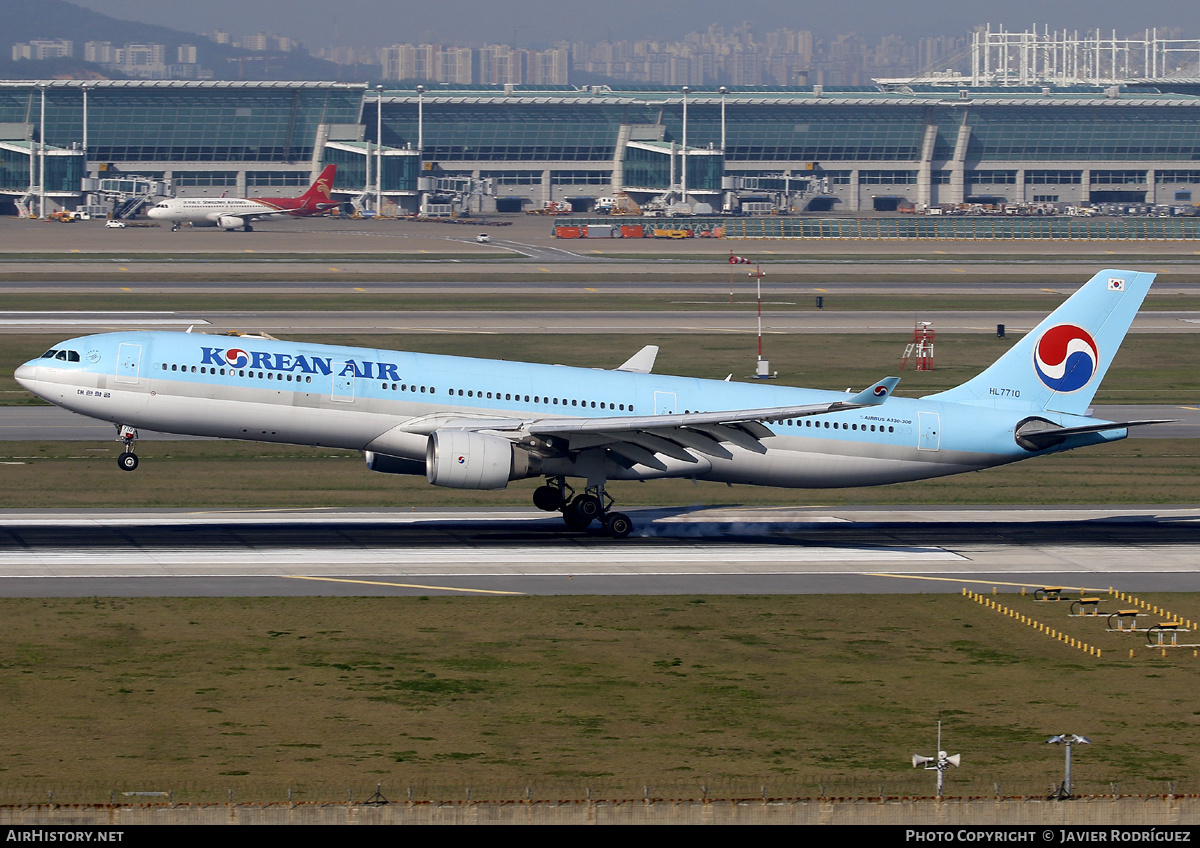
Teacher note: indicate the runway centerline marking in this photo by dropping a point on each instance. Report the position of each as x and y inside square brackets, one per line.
[402, 585]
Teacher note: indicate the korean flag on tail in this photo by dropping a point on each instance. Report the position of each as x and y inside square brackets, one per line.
[1116, 284]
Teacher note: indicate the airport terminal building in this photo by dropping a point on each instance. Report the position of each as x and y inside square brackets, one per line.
[508, 148]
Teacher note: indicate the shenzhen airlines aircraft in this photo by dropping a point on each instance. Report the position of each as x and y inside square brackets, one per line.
[234, 213]
[479, 423]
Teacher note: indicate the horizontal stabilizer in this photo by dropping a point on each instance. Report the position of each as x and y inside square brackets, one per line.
[1038, 434]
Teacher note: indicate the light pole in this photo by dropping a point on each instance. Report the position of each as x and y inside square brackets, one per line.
[378, 149]
[84, 89]
[939, 763]
[723, 91]
[1067, 739]
[420, 123]
[685, 147]
[42, 157]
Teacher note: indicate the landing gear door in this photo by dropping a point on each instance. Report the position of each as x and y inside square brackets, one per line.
[129, 363]
[343, 382]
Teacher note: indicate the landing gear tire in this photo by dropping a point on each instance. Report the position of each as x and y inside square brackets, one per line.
[588, 506]
[618, 525]
[248, 229]
[128, 461]
[574, 520]
[547, 498]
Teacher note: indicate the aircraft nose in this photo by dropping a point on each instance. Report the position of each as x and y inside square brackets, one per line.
[25, 375]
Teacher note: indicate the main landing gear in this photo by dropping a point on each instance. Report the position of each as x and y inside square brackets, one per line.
[579, 511]
[127, 461]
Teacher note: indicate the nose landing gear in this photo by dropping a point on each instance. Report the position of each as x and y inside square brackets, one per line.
[127, 461]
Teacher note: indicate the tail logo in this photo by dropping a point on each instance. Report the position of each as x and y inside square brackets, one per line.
[880, 391]
[1066, 358]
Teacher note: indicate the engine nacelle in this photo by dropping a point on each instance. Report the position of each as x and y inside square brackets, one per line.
[464, 459]
[230, 222]
[384, 464]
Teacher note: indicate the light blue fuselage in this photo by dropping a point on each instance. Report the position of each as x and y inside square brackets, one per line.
[388, 402]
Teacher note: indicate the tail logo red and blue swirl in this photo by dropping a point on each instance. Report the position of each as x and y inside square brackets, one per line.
[1066, 358]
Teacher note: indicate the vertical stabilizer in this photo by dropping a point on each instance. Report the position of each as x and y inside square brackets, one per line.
[1058, 366]
[318, 192]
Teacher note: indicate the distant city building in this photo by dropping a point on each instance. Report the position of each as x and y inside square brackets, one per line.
[495, 64]
[43, 49]
[100, 52]
[263, 42]
[143, 60]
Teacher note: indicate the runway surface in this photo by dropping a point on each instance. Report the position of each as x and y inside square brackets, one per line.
[707, 320]
[700, 551]
[87, 257]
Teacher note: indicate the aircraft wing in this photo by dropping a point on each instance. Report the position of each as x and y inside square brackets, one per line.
[638, 439]
[260, 213]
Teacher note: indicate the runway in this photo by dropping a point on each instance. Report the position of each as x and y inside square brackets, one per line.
[703, 317]
[674, 551]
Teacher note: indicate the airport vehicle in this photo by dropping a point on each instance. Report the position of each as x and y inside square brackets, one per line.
[113, 224]
[237, 213]
[480, 423]
[483, 238]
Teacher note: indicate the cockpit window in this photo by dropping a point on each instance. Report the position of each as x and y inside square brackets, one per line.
[62, 354]
[50, 353]
[72, 356]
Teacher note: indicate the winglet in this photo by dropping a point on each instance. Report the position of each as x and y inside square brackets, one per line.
[641, 362]
[874, 395]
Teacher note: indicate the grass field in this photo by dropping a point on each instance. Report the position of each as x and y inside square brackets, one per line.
[560, 694]
[68, 475]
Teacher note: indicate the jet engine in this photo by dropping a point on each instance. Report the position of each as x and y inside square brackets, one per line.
[230, 222]
[464, 459]
[384, 464]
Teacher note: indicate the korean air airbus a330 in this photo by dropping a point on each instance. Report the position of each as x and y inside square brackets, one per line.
[480, 423]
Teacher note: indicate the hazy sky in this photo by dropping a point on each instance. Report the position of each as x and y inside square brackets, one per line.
[320, 23]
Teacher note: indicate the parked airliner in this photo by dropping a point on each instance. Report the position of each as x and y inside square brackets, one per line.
[237, 213]
[479, 423]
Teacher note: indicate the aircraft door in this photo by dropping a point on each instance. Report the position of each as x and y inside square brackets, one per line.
[129, 363]
[930, 426]
[664, 403]
[343, 383]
